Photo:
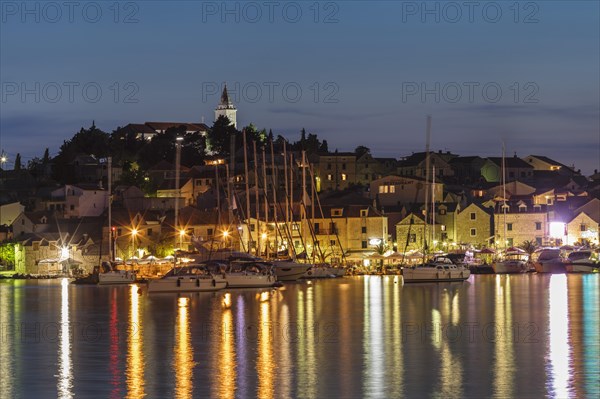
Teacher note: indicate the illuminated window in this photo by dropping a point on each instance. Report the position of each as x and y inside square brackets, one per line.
[329, 177]
[442, 211]
[344, 176]
[443, 227]
[392, 189]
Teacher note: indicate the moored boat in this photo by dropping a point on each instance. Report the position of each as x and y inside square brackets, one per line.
[440, 269]
[110, 275]
[582, 261]
[511, 262]
[244, 274]
[190, 278]
[288, 270]
[548, 261]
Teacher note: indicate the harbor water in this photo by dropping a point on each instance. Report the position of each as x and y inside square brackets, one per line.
[501, 336]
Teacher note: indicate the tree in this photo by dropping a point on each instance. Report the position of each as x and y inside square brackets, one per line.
[18, 162]
[361, 150]
[529, 246]
[219, 136]
[46, 157]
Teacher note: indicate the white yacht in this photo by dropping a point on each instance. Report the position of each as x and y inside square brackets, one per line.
[288, 270]
[189, 278]
[109, 275]
[512, 262]
[244, 274]
[582, 261]
[548, 260]
[441, 269]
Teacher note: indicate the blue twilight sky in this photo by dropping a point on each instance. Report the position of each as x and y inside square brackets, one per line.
[354, 72]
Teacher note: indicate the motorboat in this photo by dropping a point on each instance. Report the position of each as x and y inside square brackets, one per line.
[441, 269]
[582, 261]
[288, 270]
[324, 270]
[109, 275]
[548, 261]
[244, 273]
[189, 278]
[511, 262]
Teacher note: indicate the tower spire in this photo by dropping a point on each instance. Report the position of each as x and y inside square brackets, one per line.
[226, 107]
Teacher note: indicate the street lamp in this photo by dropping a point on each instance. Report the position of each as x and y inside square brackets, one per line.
[133, 235]
[181, 234]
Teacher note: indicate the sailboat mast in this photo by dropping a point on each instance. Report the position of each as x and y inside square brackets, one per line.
[110, 233]
[433, 206]
[274, 182]
[427, 160]
[256, 198]
[303, 206]
[264, 169]
[246, 179]
[504, 193]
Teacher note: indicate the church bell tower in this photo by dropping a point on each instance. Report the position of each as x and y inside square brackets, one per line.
[226, 108]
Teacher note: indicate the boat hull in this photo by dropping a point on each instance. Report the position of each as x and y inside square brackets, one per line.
[553, 267]
[187, 284]
[581, 268]
[250, 281]
[118, 277]
[428, 275]
[290, 271]
[509, 267]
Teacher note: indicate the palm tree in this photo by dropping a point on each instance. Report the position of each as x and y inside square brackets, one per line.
[529, 246]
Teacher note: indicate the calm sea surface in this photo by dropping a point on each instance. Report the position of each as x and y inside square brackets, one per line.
[492, 336]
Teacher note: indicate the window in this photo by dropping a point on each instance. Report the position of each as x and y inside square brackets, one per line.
[23, 222]
[344, 176]
[119, 232]
[363, 244]
[363, 212]
[442, 211]
[343, 166]
[583, 227]
[509, 226]
[329, 177]
[509, 242]
[538, 225]
[328, 166]
[444, 236]
[443, 227]
[392, 189]
[473, 216]
[336, 212]
[297, 243]
[252, 227]
[538, 240]
[363, 230]
[332, 243]
[473, 232]
[149, 232]
[72, 207]
[412, 238]
[316, 228]
[209, 232]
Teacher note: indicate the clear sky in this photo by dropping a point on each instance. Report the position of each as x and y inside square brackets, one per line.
[354, 72]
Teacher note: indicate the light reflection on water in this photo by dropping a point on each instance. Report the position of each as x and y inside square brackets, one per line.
[352, 337]
[65, 377]
[135, 354]
[183, 361]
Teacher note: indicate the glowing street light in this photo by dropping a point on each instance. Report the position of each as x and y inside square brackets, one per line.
[133, 235]
[181, 234]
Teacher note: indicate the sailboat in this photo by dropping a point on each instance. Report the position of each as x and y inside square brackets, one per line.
[107, 274]
[440, 269]
[512, 260]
